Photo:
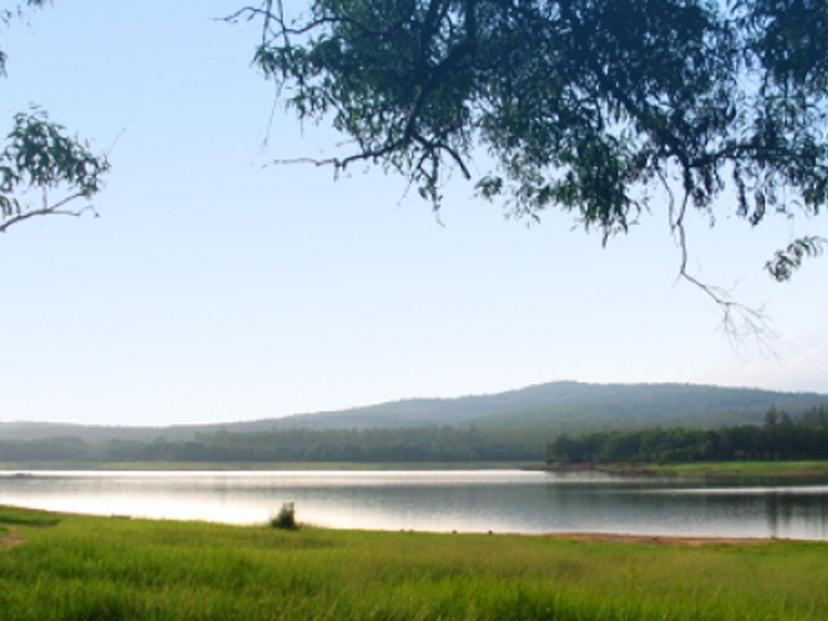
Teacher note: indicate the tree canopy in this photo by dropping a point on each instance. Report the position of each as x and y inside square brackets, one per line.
[598, 107]
[43, 169]
[782, 437]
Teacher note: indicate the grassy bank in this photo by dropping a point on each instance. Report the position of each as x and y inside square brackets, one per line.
[788, 470]
[107, 569]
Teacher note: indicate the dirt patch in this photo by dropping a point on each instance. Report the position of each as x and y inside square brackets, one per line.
[684, 542]
[11, 540]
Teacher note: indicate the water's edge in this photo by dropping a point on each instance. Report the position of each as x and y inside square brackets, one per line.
[498, 501]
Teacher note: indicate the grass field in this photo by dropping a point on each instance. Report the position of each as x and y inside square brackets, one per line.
[85, 568]
[730, 469]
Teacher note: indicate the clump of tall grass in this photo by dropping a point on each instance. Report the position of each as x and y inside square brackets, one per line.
[286, 518]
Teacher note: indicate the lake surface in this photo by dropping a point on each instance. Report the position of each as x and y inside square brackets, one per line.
[472, 501]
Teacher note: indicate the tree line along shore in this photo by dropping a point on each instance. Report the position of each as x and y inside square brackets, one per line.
[782, 437]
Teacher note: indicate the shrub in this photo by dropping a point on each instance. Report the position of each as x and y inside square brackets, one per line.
[285, 519]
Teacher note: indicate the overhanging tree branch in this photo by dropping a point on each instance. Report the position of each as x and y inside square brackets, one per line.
[583, 105]
[40, 156]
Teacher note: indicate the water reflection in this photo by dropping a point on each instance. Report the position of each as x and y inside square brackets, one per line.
[501, 501]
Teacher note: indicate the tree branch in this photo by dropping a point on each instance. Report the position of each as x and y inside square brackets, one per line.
[53, 210]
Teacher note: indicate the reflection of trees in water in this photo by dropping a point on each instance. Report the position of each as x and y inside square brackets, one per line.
[782, 510]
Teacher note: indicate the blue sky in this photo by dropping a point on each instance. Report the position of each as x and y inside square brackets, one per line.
[216, 287]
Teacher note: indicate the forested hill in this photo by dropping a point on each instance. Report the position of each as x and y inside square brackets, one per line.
[553, 408]
[565, 406]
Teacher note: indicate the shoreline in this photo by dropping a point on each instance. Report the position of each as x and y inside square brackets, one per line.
[265, 466]
[812, 470]
[680, 541]
[802, 470]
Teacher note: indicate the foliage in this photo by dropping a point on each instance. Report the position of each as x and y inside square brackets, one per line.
[585, 105]
[418, 445]
[780, 438]
[40, 157]
[99, 568]
[784, 262]
[286, 518]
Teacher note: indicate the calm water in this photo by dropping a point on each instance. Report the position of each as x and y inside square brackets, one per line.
[497, 500]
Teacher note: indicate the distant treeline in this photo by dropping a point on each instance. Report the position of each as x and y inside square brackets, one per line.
[781, 437]
[431, 444]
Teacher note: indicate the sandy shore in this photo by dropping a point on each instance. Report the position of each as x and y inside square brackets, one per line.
[670, 540]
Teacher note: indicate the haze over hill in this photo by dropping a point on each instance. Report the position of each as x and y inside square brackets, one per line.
[553, 407]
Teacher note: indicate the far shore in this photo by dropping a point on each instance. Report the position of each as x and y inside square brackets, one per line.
[267, 466]
[782, 471]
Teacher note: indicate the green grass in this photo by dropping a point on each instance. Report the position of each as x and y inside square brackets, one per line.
[109, 569]
[26, 517]
[731, 469]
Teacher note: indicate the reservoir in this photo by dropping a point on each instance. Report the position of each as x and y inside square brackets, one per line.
[513, 501]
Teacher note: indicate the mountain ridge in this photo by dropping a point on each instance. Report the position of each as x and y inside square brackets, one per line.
[561, 406]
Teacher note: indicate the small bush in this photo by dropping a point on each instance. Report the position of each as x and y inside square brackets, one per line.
[285, 519]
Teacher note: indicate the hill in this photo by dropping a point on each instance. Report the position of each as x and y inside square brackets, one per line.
[561, 406]
[553, 407]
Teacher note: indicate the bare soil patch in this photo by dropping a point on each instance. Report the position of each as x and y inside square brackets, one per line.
[11, 540]
[684, 542]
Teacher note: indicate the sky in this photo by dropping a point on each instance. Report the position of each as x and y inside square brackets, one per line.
[217, 286]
